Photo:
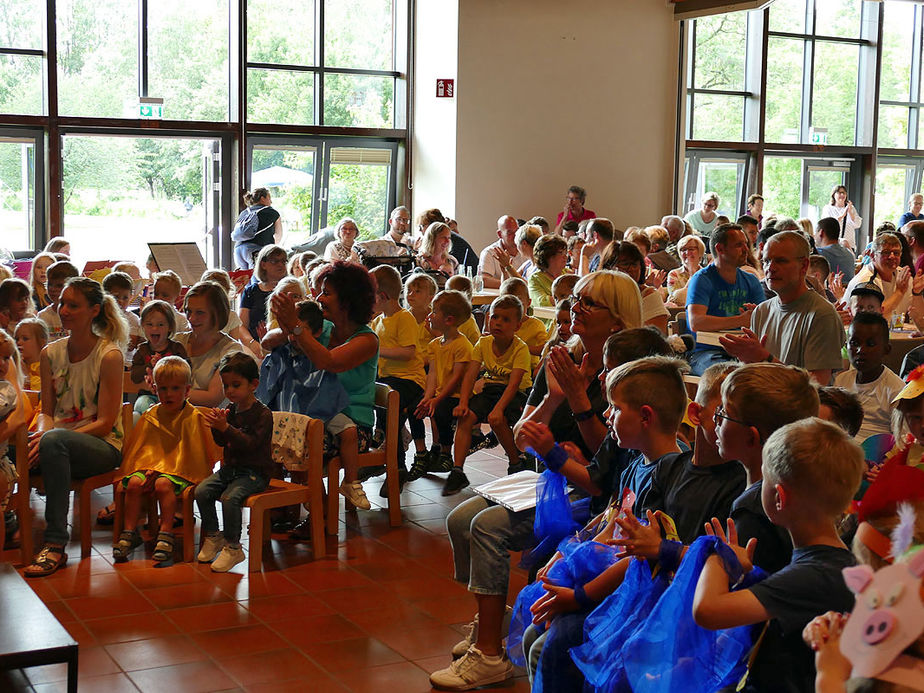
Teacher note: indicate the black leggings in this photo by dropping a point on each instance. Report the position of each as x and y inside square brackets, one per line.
[409, 395]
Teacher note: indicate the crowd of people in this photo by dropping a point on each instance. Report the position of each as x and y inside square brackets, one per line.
[798, 433]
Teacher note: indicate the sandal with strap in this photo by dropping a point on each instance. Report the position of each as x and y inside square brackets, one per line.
[106, 516]
[163, 550]
[44, 564]
[127, 542]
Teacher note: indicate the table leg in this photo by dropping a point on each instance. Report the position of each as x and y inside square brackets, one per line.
[72, 672]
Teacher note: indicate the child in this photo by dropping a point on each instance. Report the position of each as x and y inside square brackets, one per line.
[245, 430]
[532, 330]
[56, 276]
[234, 328]
[561, 330]
[563, 287]
[168, 450]
[811, 470]
[874, 383]
[866, 297]
[134, 273]
[817, 276]
[157, 323]
[401, 361]
[31, 337]
[459, 282]
[842, 407]
[504, 360]
[11, 417]
[419, 290]
[15, 303]
[575, 246]
[38, 275]
[167, 287]
[908, 422]
[448, 357]
[119, 285]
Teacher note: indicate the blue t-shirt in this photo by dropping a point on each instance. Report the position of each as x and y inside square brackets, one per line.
[722, 300]
[840, 259]
[908, 216]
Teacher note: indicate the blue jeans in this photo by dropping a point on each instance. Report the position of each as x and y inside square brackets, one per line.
[703, 358]
[65, 455]
[232, 485]
[244, 254]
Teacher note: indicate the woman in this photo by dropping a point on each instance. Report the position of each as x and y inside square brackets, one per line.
[343, 248]
[79, 430]
[691, 250]
[270, 269]
[915, 204]
[846, 214]
[567, 396]
[433, 255]
[206, 307]
[427, 217]
[347, 296]
[704, 220]
[551, 256]
[626, 257]
[257, 226]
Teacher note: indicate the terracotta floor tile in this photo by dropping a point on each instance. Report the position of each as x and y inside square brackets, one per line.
[259, 585]
[143, 654]
[228, 642]
[61, 611]
[177, 574]
[315, 684]
[338, 578]
[403, 676]
[194, 594]
[416, 589]
[94, 661]
[384, 619]
[358, 653]
[132, 627]
[353, 599]
[197, 619]
[327, 628]
[449, 610]
[417, 643]
[265, 667]
[120, 605]
[386, 570]
[270, 609]
[193, 677]
[437, 527]
[80, 633]
[111, 683]
[89, 585]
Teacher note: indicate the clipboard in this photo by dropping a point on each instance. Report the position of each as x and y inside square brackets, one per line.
[183, 258]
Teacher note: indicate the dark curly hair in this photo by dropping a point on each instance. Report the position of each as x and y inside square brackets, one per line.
[354, 287]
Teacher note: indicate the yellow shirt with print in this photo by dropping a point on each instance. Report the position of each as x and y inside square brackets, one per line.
[470, 329]
[395, 331]
[444, 357]
[496, 369]
[533, 332]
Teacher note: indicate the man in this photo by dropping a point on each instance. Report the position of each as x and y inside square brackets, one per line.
[574, 208]
[894, 281]
[721, 296]
[913, 232]
[660, 254]
[461, 249]
[827, 241]
[798, 327]
[488, 266]
[756, 207]
[749, 225]
[600, 233]
[395, 241]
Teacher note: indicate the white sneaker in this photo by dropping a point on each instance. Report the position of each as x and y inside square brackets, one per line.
[471, 634]
[473, 670]
[211, 547]
[353, 492]
[227, 559]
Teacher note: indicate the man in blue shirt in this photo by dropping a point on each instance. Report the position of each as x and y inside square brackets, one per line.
[827, 242]
[915, 203]
[721, 296]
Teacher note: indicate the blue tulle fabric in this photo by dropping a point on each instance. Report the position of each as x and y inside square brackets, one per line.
[289, 381]
[581, 562]
[554, 519]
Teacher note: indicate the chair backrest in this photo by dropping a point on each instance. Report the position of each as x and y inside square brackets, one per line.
[389, 400]
[296, 438]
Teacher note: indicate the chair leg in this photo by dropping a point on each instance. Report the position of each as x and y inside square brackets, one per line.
[189, 527]
[394, 494]
[333, 497]
[83, 511]
[255, 559]
[316, 512]
[24, 508]
[118, 499]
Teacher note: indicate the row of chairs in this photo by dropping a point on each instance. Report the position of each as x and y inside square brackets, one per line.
[306, 488]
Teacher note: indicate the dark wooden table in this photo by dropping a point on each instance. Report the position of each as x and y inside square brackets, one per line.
[30, 635]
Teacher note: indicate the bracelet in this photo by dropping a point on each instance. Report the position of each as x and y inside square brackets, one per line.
[584, 415]
[580, 596]
[669, 555]
[554, 459]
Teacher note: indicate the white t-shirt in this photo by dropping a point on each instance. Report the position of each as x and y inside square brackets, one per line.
[876, 398]
[653, 307]
[49, 316]
[487, 263]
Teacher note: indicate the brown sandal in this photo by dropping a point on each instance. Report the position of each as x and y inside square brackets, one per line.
[44, 565]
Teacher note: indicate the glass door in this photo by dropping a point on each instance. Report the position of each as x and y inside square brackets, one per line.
[359, 183]
[896, 180]
[724, 173]
[22, 208]
[818, 181]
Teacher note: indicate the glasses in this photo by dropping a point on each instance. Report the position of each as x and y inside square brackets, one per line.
[720, 414]
[275, 260]
[586, 303]
[890, 253]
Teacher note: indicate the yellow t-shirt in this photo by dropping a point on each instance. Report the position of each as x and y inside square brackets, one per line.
[496, 369]
[443, 357]
[424, 336]
[400, 330]
[469, 328]
[533, 332]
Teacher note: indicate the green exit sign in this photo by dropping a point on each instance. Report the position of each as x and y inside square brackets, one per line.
[151, 109]
[819, 135]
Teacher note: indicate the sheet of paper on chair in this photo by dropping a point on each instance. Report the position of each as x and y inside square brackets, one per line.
[515, 492]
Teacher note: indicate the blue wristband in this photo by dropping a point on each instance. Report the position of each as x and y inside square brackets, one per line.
[554, 459]
[669, 555]
[581, 598]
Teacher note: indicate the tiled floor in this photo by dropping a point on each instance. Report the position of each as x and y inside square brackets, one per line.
[378, 615]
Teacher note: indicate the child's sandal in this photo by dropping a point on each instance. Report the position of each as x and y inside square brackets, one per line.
[163, 550]
[127, 542]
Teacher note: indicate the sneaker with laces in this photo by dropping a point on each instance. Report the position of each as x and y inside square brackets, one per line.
[227, 559]
[211, 547]
[442, 463]
[471, 634]
[354, 492]
[420, 467]
[455, 482]
[472, 670]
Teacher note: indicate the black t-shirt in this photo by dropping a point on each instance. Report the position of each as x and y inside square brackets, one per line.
[693, 495]
[774, 546]
[562, 423]
[808, 587]
[637, 476]
[254, 299]
[605, 470]
[267, 219]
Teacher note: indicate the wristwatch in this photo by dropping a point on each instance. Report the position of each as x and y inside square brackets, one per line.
[297, 330]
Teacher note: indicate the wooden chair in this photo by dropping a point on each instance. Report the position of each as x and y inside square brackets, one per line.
[82, 489]
[387, 455]
[186, 503]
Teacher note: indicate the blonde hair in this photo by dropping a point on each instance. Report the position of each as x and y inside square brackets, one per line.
[710, 382]
[388, 281]
[454, 304]
[16, 377]
[514, 286]
[508, 301]
[692, 240]
[658, 235]
[656, 382]
[817, 460]
[5, 272]
[528, 234]
[109, 323]
[285, 284]
[567, 280]
[770, 395]
[421, 278]
[617, 291]
[171, 278]
[172, 367]
[711, 196]
[459, 282]
[219, 276]
[41, 256]
[39, 329]
[428, 242]
[125, 267]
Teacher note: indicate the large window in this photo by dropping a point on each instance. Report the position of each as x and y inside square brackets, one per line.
[900, 84]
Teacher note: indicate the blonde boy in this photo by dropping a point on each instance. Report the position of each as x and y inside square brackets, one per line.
[532, 330]
[419, 290]
[469, 328]
[168, 287]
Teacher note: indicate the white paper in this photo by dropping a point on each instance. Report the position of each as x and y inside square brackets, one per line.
[183, 258]
[515, 492]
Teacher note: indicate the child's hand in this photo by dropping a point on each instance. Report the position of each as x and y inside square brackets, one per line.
[574, 453]
[217, 419]
[460, 410]
[496, 418]
[746, 554]
[537, 436]
[872, 472]
[556, 601]
[425, 408]
[638, 540]
[544, 570]
[34, 439]
[823, 635]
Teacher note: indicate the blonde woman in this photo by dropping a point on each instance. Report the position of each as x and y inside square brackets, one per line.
[433, 254]
[343, 248]
[691, 250]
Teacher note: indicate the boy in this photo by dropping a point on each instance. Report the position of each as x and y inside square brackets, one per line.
[841, 407]
[119, 285]
[169, 450]
[245, 430]
[55, 277]
[866, 297]
[401, 361]
[563, 287]
[459, 282]
[449, 356]
[419, 290]
[504, 360]
[168, 287]
[817, 276]
[811, 470]
[874, 383]
[532, 330]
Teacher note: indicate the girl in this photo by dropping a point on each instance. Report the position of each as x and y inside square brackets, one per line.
[167, 287]
[158, 325]
[12, 415]
[269, 269]
[15, 302]
[290, 286]
[561, 330]
[419, 290]
[342, 249]
[37, 277]
[31, 337]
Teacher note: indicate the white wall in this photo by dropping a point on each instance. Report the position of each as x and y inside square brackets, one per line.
[551, 94]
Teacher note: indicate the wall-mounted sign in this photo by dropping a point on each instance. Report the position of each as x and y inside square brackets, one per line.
[445, 88]
[150, 108]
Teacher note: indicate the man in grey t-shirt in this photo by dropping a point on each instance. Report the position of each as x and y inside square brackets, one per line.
[798, 326]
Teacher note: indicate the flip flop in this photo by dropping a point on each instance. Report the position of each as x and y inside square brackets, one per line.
[44, 565]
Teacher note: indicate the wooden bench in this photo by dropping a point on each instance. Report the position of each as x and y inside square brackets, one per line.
[31, 635]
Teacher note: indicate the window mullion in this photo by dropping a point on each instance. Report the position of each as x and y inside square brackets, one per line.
[914, 114]
[319, 60]
[142, 48]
